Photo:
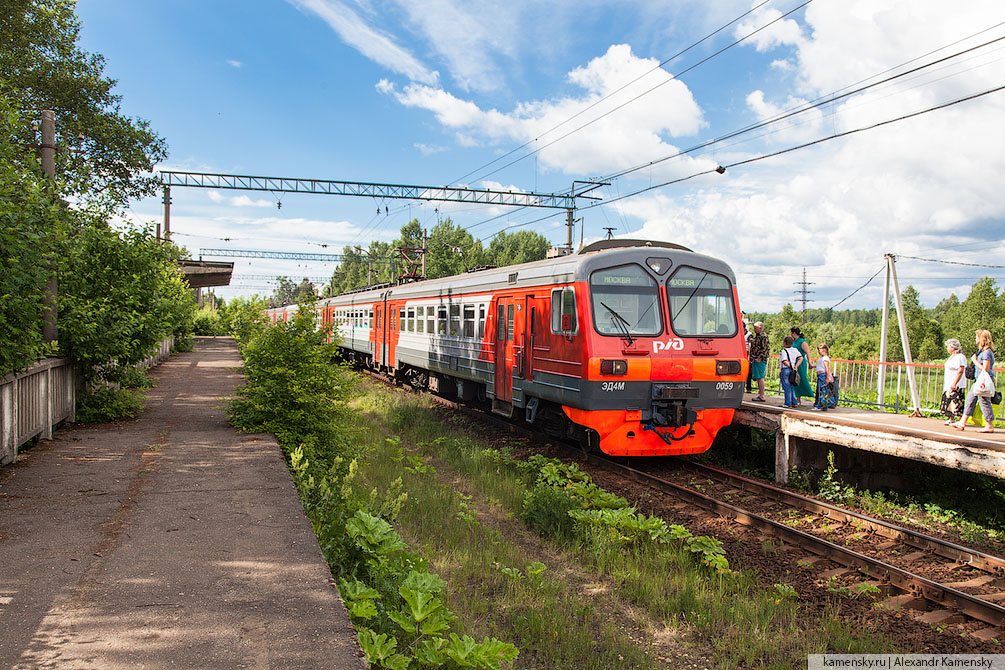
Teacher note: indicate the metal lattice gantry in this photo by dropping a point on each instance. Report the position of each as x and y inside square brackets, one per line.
[296, 256]
[401, 191]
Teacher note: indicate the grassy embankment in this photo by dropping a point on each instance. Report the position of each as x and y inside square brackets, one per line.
[574, 595]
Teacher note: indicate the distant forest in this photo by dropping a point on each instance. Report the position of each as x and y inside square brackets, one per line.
[855, 333]
[452, 250]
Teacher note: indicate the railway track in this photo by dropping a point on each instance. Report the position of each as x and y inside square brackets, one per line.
[902, 572]
[943, 581]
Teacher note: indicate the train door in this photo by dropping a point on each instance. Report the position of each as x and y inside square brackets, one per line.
[527, 349]
[505, 330]
[378, 333]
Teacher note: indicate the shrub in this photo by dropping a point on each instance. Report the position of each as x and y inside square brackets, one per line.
[292, 388]
[207, 322]
[98, 405]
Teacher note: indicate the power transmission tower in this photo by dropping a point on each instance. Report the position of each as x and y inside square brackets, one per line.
[803, 291]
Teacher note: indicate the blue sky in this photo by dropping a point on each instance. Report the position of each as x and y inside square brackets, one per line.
[426, 92]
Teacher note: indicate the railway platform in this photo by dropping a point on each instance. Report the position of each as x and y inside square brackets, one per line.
[922, 439]
[171, 540]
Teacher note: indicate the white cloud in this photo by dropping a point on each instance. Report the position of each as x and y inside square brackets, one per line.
[369, 41]
[468, 36]
[919, 187]
[428, 149]
[619, 137]
[784, 32]
[239, 201]
[235, 63]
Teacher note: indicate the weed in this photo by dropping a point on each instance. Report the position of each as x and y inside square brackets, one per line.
[786, 591]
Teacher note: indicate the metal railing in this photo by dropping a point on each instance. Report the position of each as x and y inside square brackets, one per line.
[858, 383]
[34, 401]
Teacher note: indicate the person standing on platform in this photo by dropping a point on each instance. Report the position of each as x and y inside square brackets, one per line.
[954, 386]
[984, 361]
[748, 335]
[758, 356]
[799, 343]
[788, 360]
[825, 379]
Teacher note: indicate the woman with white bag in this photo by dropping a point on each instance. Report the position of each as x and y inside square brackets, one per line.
[984, 385]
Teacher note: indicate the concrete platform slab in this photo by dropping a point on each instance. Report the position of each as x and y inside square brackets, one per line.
[923, 439]
[167, 541]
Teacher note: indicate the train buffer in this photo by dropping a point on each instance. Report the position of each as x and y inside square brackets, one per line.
[168, 540]
[803, 437]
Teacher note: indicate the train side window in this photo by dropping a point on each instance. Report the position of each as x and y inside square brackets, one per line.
[563, 301]
[411, 320]
[481, 321]
[501, 323]
[369, 321]
[455, 320]
[509, 323]
[401, 320]
[430, 320]
[469, 320]
[441, 320]
[420, 320]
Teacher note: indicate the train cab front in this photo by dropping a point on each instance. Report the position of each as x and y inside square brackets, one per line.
[667, 360]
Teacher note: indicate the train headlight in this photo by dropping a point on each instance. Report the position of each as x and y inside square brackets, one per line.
[614, 367]
[724, 368]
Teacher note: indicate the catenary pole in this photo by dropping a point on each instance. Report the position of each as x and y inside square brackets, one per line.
[881, 385]
[902, 322]
[50, 322]
[167, 213]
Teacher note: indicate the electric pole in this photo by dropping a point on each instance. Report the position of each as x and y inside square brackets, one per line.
[803, 291]
[610, 232]
[50, 332]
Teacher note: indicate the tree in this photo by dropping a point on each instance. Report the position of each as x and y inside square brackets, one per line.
[289, 292]
[984, 309]
[923, 332]
[122, 293]
[107, 156]
[30, 221]
[452, 251]
[521, 247]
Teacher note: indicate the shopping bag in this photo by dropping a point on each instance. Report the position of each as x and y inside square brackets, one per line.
[984, 386]
[978, 416]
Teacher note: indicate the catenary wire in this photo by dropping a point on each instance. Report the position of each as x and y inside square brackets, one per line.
[801, 146]
[673, 77]
[860, 287]
[618, 90]
[820, 102]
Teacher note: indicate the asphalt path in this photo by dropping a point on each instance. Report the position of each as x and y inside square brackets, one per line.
[168, 541]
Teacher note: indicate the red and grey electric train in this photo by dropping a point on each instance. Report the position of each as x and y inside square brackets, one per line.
[635, 348]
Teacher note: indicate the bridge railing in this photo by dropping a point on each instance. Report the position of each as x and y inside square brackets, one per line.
[34, 401]
[858, 384]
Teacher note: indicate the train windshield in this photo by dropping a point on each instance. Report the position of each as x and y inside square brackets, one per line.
[701, 304]
[625, 302]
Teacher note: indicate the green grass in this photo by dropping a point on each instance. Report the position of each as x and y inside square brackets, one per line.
[465, 517]
[468, 540]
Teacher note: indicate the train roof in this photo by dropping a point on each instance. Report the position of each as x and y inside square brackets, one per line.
[549, 272]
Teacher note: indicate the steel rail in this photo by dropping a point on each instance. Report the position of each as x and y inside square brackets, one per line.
[941, 594]
[955, 552]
